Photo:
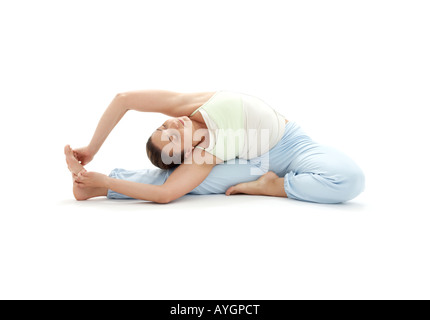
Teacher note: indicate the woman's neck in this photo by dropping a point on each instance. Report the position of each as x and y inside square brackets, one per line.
[198, 126]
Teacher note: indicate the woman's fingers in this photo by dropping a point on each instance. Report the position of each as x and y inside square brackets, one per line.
[77, 180]
[79, 177]
[82, 176]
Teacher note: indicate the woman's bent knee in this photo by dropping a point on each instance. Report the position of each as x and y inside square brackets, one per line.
[323, 188]
[350, 184]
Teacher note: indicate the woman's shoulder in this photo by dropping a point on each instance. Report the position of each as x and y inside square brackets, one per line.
[193, 101]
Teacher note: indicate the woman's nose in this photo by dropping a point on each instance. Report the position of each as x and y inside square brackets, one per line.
[173, 124]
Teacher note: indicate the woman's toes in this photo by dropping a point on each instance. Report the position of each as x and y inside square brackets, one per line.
[72, 163]
[229, 191]
[235, 189]
[67, 149]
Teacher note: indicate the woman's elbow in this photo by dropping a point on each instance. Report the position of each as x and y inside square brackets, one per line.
[164, 198]
[121, 96]
[163, 201]
[121, 101]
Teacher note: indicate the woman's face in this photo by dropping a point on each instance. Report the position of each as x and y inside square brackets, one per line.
[172, 133]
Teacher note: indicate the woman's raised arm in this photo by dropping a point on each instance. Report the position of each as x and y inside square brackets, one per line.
[141, 100]
[110, 118]
[174, 104]
[170, 103]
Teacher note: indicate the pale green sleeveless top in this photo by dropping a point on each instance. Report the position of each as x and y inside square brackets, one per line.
[240, 125]
[223, 114]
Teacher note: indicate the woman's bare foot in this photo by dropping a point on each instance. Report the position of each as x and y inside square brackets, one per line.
[79, 191]
[269, 184]
[72, 163]
[84, 193]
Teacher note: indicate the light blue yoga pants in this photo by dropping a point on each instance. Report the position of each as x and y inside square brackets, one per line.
[312, 172]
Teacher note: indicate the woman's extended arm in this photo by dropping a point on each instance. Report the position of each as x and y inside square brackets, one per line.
[181, 181]
[110, 118]
[142, 100]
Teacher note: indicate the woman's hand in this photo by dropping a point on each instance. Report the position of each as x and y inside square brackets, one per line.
[92, 179]
[84, 155]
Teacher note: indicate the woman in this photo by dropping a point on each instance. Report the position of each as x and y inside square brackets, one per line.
[217, 142]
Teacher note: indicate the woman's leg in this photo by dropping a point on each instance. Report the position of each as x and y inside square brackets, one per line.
[218, 181]
[323, 175]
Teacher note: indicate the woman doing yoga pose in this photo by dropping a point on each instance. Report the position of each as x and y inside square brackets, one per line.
[217, 142]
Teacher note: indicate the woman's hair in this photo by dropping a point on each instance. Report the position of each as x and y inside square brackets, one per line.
[154, 154]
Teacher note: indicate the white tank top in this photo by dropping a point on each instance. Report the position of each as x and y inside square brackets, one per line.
[240, 125]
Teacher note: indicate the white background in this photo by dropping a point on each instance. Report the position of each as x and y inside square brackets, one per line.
[353, 74]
